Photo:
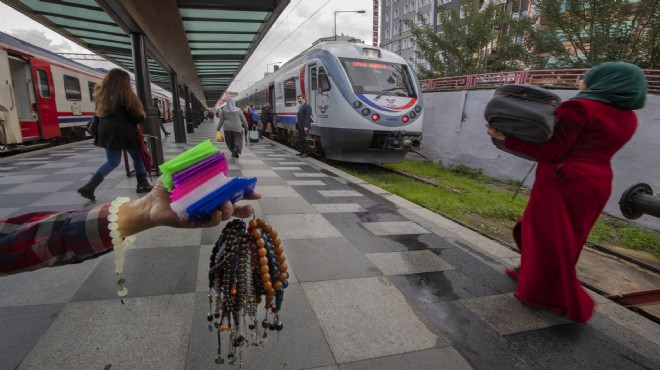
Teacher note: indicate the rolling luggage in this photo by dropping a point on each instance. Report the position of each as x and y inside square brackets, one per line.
[524, 111]
[253, 134]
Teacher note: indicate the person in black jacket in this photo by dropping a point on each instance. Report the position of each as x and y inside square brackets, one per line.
[266, 118]
[119, 111]
[303, 124]
[161, 118]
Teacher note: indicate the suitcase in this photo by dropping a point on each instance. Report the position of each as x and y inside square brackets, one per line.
[253, 134]
[524, 111]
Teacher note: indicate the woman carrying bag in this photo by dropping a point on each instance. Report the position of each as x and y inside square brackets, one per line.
[234, 123]
[120, 112]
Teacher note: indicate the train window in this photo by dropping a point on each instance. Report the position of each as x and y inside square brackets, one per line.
[312, 76]
[290, 92]
[72, 88]
[380, 78]
[324, 81]
[44, 89]
[90, 86]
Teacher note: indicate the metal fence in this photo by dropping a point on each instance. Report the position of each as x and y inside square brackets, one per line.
[547, 78]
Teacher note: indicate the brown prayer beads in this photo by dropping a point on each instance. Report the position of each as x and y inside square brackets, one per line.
[246, 264]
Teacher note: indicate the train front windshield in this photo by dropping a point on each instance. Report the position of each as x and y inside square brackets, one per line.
[380, 78]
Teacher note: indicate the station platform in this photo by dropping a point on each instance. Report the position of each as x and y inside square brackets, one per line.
[376, 282]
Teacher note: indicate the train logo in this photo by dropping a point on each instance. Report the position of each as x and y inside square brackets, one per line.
[323, 108]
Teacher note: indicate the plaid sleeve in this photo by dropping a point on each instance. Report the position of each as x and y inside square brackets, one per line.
[35, 240]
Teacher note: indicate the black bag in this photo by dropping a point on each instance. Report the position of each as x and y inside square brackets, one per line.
[93, 126]
[524, 111]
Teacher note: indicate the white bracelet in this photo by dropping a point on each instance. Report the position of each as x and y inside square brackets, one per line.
[120, 245]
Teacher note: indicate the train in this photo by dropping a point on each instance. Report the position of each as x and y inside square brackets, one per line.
[46, 99]
[366, 101]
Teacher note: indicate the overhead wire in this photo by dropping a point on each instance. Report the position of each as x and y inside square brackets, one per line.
[289, 35]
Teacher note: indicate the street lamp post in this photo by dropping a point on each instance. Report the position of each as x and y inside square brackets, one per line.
[344, 11]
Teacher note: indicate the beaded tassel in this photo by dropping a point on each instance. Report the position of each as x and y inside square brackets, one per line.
[247, 262]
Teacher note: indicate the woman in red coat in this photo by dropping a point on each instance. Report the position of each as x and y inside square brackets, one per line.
[573, 183]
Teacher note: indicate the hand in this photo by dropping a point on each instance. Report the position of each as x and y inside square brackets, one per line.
[306, 129]
[495, 133]
[154, 210]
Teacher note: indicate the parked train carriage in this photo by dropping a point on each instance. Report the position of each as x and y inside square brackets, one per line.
[46, 98]
[164, 104]
[366, 102]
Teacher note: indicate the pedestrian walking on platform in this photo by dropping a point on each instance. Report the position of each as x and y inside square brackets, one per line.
[573, 183]
[266, 119]
[161, 119]
[120, 112]
[303, 125]
[234, 123]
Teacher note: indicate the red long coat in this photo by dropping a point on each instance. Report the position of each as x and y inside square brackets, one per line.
[573, 183]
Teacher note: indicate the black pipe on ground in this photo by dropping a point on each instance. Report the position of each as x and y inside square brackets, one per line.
[639, 200]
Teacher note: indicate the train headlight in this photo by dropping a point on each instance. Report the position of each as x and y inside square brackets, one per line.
[375, 117]
[405, 119]
[357, 104]
[365, 111]
[418, 109]
[413, 114]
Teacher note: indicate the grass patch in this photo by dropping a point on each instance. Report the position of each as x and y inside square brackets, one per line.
[486, 204]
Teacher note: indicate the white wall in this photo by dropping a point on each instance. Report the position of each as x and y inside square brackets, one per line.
[454, 133]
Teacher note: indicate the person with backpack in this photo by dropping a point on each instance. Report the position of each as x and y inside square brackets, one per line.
[572, 186]
[266, 118]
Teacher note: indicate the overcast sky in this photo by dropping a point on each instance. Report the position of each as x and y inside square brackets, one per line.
[301, 23]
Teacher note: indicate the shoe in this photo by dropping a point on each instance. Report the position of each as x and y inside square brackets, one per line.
[143, 185]
[87, 191]
[168, 133]
[304, 155]
[512, 272]
[299, 154]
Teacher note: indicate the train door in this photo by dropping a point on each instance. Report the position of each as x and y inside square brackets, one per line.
[312, 95]
[21, 75]
[10, 128]
[47, 109]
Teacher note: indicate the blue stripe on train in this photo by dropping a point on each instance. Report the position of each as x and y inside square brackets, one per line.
[82, 119]
[286, 119]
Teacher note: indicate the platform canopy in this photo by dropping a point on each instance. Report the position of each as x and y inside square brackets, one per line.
[205, 42]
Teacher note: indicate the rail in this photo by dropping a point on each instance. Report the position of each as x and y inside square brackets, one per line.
[547, 78]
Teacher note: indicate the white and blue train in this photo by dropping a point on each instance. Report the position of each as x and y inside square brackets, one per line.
[366, 102]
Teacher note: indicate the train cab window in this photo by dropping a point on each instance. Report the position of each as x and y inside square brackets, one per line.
[44, 89]
[313, 75]
[324, 81]
[72, 88]
[290, 99]
[90, 86]
[380, 78]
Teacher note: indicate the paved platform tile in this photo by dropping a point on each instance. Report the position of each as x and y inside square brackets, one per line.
[276, 191]
[500, 310]
[429, 359]
[367, 318]
[340, 193]
[338, 207]
[145, 333]
[397, 263]
[302, 226]
[285, 205]
[394, 228]
[305, 183]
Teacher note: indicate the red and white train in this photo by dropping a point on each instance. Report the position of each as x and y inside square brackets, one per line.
[47, 98]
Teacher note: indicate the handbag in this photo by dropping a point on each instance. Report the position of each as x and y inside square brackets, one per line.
[93, 126]
[218, 137]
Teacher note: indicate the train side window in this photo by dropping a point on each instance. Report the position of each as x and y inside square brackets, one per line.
[290, 99]
[44, 89]
[91, 85]
[312, 76]
[324, 81]
[72, 88]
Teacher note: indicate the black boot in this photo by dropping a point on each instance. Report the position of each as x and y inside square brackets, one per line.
[87, 191]
[143, 185]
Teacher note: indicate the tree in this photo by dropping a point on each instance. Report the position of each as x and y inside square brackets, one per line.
[584, 33]
[472, 40]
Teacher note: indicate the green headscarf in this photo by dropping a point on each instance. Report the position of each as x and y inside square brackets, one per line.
[620, 84]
